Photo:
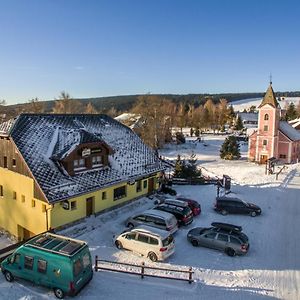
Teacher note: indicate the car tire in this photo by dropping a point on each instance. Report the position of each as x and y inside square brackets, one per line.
[195, 243]
[230, 252]
[59, 293]
[224, 212]
[8, 276]
[253, 214]
[152, 256]
[118, 244]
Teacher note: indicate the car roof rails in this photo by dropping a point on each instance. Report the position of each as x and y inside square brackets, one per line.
[226, 226]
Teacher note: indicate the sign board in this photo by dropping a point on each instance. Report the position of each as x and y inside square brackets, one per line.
[86, 152]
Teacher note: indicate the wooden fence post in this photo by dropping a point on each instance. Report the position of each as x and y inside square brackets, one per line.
[142, 270]
[96, 263]
[190, 275]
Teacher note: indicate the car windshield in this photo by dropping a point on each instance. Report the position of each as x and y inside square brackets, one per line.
[168, 241]
[245, 202]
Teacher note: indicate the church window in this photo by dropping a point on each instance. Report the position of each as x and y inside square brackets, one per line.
[265, 142]
[266, 117]
[266, 128]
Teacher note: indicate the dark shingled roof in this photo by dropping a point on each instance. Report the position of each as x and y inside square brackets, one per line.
[269, 98]
[39, 137]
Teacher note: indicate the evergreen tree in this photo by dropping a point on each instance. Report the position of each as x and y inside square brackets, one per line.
[190, 170]
[178, 167]
[239, 123]
[231, 114]
[291, 112]
[230, 149]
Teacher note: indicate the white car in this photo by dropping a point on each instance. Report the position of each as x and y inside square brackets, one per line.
[148, 241]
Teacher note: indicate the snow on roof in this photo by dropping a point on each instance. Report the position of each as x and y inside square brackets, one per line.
[245, 116]
[126, 116]
[295, 123]
[39, 136]
[5, 127]
[289, 131]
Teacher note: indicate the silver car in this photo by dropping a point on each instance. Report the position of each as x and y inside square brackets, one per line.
[221, 236]
[148, 241]
[154, 218]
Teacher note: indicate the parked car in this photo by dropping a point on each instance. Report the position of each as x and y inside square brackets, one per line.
[154, 218]
[54, 261]
[193, 204]
[226, 205]
[221, 236]
[148, 241]
[183, 213]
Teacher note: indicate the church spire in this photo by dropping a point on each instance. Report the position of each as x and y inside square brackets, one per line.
[269, 97]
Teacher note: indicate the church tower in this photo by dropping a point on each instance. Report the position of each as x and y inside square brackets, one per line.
[266, 144]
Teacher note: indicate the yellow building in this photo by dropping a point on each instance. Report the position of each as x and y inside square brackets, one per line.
[57, 169]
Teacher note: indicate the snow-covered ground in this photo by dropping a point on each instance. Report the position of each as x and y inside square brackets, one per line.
[270, 270]
[240, 105]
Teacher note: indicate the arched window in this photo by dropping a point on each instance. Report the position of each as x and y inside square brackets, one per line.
[266, 117]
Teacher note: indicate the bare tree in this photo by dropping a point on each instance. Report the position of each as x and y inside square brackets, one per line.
[112, 112]
[90, 109]
[154, 120]
[66, 105]
[36, 106]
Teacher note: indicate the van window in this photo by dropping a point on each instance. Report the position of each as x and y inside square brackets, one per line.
[77, 267]
[15, 259]
[153, 241]
[28, 262]
[42, 266]
[130, 236]
[86, 260]
[168, 240]
[142, 238]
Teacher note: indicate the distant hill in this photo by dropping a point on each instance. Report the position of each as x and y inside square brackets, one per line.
[125, 103]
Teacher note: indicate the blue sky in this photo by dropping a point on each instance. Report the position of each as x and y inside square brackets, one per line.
[92, 48]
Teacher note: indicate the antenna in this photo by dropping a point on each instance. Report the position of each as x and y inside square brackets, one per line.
[270, 78]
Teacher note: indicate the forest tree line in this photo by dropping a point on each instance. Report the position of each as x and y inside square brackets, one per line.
[156, 114]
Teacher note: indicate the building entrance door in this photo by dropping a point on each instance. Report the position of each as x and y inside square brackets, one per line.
[263, 159]
[89, 206]
[150, 185]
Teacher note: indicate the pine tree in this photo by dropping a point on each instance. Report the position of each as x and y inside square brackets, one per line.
[178, 167]
[239, 123]
[230, 149]
[291, 112]
[190, 170]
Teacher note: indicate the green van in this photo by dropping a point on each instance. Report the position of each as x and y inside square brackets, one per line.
[51, 260]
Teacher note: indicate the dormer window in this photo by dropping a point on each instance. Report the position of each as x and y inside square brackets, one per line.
[97, 161]
[266, 117]
[79, 164]
[91, 153]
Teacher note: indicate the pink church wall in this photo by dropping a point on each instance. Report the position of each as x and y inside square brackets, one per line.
[252, 147]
